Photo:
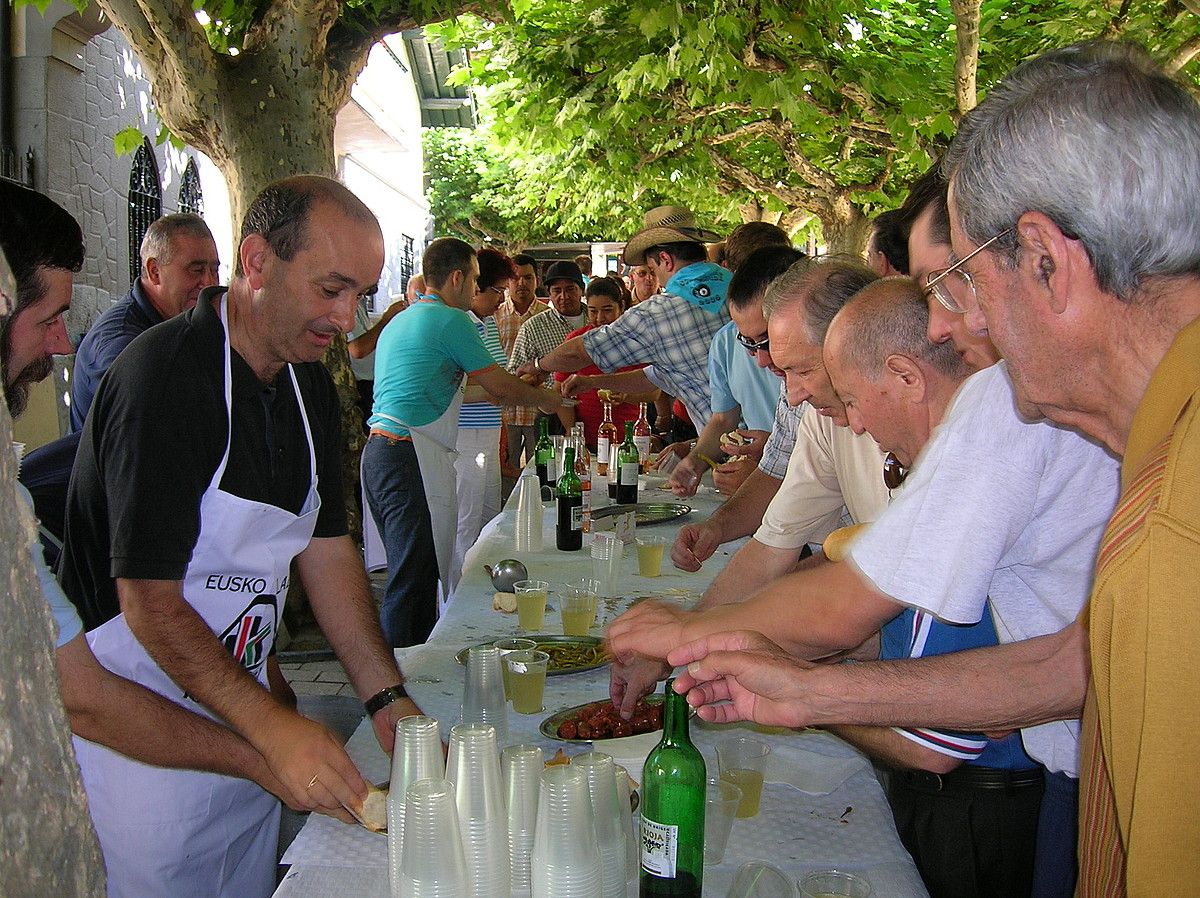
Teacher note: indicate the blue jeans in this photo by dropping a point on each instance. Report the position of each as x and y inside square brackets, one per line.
[1055, 866]
[396, 496]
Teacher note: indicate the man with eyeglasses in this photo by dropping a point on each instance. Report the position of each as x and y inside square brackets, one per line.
[1094, 298]
[830, 469]
[996, 507]
[743, 381]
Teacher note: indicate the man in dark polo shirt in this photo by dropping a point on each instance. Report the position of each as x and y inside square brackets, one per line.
[209, 462]
[179, 259]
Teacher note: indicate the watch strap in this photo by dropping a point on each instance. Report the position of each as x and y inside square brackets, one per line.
[384, 697]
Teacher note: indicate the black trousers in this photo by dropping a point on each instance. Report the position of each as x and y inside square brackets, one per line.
[967, 842]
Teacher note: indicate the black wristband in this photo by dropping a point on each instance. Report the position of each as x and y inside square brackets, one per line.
[383, 698]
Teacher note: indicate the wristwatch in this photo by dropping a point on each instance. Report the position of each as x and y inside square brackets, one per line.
[383, 698]
[537, 363]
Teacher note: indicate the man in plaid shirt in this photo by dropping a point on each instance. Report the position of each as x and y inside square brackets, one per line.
[670, 332]
[519, 422]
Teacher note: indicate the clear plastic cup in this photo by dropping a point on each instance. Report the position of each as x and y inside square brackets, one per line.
[527, 679]
[530, 515]
[743, 762]
[632, 848]
[720, 808]
[531, 604]
[577, 606]
[474, 769]
[650, 551]
[758, 879]
[566, 860]
[833, 884]
[417, 755]
[607, 552]
[521, 767]
[432, 865]
[513, 644]
[602, 789]
[483, 695]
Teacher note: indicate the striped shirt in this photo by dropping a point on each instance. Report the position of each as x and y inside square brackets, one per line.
[778, 451]
[483, 414]
[508, 324]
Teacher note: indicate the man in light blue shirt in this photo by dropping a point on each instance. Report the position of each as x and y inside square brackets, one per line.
[422, 360]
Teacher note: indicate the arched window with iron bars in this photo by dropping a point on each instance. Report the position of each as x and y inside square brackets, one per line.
[145, 203]
[191, 196]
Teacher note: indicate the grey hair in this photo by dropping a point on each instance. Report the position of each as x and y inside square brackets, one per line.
[823, 284]
[157, 242]
[1102, 142]
[892, 318]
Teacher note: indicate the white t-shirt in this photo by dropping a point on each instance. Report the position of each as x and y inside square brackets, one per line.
[998, 507]
[831, 469]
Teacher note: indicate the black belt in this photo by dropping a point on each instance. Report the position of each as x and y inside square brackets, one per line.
[970, 777]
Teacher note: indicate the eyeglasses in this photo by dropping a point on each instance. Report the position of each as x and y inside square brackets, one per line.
[494, 289]
[755, 346]
[893, 472]
[955, 288]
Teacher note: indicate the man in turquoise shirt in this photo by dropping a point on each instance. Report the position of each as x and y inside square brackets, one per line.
[421, 363]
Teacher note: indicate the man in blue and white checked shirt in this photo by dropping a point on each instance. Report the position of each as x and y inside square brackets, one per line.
[671, 331]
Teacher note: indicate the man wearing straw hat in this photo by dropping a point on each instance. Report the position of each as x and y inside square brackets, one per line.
[670, 332]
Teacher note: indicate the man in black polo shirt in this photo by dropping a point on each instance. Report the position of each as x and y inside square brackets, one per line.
[210, 460]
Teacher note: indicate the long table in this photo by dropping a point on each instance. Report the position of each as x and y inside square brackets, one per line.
[843, 821]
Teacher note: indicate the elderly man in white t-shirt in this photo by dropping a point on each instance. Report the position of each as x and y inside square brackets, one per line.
[995, 507]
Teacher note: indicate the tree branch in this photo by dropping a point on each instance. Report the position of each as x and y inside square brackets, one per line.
[756, 184]
[1184, 55]
[966, 53]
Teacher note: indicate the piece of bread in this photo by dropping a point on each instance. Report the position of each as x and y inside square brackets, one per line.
[504, 602]
[838, 543]
[734, 438]
[373, 812]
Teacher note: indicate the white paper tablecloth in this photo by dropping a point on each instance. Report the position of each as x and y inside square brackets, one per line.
[849, 827]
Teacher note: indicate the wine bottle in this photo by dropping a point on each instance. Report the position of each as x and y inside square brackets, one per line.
[568, 530]
[672, 829]
[628, 465]
[606, 439]
[543, 454]
[641, 437]
[583, 470]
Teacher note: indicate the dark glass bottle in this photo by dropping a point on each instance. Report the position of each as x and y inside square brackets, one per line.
[672, 829]
[543, 454]
[568, 530]
[628, 465]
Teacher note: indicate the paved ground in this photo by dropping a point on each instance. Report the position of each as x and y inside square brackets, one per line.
[316, 677]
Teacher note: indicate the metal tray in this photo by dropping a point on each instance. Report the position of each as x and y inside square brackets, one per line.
[547, 639]
[646, 512]
[549, 726]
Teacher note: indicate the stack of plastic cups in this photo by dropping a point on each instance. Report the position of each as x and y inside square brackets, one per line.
[607, 552]
[529, 514]
[610, 839]
[633, 860]
[432, 865]
[474, 769]
[417, 756]
[521, 766]
[483, 697]
[566, 861]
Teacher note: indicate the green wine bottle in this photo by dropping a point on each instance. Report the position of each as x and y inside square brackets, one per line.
[543, 454]
[568, 529]
[673, 787]
[628, 465]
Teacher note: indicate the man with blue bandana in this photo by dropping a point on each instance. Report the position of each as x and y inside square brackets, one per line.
[670, 332]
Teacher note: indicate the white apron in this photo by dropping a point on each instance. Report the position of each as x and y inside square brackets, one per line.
[181, 832]
[434, 444]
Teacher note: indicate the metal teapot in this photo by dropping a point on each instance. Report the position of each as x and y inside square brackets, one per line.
[506, 573]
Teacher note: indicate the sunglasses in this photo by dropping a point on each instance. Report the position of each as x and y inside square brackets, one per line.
[763, 345]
